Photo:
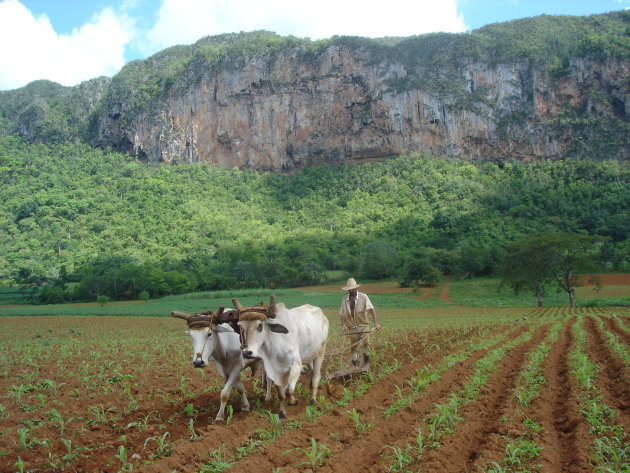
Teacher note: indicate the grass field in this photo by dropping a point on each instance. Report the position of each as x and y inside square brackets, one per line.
[481, 292]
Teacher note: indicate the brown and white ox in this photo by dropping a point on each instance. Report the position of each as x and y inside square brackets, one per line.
[221, 344]
[285, 339]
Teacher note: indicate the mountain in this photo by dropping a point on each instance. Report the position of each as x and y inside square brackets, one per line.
[542, 87]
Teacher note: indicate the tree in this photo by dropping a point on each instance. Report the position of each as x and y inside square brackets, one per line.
[422, 268]
[378, 261]
[539, 259]
[524, 267]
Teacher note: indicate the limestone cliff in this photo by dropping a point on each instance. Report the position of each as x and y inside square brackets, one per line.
[285, 112]
[286, 103]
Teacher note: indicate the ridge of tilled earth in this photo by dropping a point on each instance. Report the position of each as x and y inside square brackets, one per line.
[370, 405]
[565, 434]
[613, 378]
[482, 417]
[613, 326]
[359, 453]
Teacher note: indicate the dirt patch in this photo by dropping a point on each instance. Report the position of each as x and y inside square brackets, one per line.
[617, 279]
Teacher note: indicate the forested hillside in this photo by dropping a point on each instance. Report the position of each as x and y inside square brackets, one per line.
[85, 222]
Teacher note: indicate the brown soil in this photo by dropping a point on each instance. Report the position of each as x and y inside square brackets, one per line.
[613, 326]
[613, 378]
[478, 440]
[617, 279]
[565, 436]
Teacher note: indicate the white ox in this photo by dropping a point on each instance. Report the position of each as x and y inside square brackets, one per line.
[220, 344]
[285, 339]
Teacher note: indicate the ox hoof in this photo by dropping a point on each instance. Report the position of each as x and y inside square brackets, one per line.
[313, 402]
[282, 415]
[294, 403]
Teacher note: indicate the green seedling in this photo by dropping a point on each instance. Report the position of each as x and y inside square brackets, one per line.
[359, 425]
[122, 457]
[311, 413]
[217, 465]
[401, 458]
[276, 424]
[56, 417]
[73, 452]
[23, 442]
[184, 388]
[230, 413]
[19, 464]
[191, 428]
[315, 455]
[190, 410]
[98, 415]
[163, 445]
[143, 423]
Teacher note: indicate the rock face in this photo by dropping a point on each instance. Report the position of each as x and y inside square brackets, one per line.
[344, 106]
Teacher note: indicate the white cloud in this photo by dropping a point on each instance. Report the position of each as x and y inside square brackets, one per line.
[31, 49]
[185, 21]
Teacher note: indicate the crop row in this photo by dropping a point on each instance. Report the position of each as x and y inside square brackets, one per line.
[115, 395]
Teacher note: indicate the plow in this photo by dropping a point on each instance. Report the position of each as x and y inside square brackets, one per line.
[346, 370]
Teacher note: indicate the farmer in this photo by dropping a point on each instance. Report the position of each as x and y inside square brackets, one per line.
[354, 320]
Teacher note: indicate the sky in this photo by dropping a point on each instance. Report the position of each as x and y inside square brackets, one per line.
[70, 41]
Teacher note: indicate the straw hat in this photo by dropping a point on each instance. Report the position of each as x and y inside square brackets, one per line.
[350, 284]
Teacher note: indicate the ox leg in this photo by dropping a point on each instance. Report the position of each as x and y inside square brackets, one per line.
[267, 385]
[282, 398]
[294, 376]
[244, 401]
[230, 381]
[317, 373]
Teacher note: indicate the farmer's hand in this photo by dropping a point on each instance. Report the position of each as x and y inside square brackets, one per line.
[378, 326]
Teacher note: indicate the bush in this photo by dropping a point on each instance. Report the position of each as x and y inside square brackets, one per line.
[51, 295]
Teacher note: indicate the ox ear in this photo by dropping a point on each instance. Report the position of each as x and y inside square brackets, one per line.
[222, 329]
[277, 328]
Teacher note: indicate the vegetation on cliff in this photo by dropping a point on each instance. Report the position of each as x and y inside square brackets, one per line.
[83, 223]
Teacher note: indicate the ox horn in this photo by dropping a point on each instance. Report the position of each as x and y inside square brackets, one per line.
[181, 315]
[237, 304]
[272, 306]
[219, 311]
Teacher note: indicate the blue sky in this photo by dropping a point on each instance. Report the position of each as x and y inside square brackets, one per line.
[69, 41]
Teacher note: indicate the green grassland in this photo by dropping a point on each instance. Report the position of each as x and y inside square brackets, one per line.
[481, 293]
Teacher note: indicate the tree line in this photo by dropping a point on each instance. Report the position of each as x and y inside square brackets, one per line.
[79, 223]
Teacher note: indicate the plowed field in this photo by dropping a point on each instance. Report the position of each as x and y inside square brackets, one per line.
[110, 394]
